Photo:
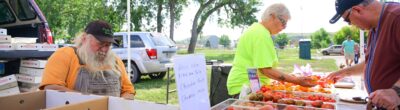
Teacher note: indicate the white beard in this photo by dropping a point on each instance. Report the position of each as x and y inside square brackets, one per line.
[96, 62]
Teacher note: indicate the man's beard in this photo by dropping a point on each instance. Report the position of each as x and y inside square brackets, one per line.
[96, 61]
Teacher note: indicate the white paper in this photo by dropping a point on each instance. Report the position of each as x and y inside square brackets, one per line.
[191, 82]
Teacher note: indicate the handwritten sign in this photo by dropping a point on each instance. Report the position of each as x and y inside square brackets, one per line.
[191, 82]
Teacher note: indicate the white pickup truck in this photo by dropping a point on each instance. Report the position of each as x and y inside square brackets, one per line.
[149, 53]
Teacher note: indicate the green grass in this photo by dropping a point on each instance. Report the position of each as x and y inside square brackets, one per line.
[155, 90]
[289, 57]
[215, 54]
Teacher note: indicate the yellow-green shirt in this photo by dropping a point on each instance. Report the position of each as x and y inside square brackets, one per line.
[254, 50]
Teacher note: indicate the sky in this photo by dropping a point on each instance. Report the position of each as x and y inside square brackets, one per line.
[307, 16]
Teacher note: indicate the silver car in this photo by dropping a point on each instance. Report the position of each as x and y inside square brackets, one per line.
[334, 49]
[149, 53]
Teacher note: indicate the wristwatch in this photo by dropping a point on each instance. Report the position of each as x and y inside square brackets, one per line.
[397, 89]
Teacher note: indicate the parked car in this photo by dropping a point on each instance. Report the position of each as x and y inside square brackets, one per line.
[23, 18]
[150, 52]
[334, 49]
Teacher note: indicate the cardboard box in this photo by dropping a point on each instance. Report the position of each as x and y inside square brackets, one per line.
[100, 104]
[28, 87]
[43, 100]
[7, 82]
[7, 47]
[116, 103]
[48, 47]
[31, 71]
[26, 46]
[23, 40]
[34, 63]
[5, 39]
[29, 79]
[10, 91]
[3, 31]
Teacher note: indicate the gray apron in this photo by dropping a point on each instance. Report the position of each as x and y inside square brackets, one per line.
[106, 83]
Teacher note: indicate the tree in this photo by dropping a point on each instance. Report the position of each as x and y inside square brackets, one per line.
[342, 34]
[175, 12]
[225, 41]
[320, 39]
[147, 10]
[239, 12]
[281, 40]
[67, 18]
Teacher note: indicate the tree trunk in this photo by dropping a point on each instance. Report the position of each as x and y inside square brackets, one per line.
[193, 39]
[172, 18]
[159, 16]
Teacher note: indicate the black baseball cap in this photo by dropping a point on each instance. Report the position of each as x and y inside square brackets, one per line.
[101, 30]
[342, 6]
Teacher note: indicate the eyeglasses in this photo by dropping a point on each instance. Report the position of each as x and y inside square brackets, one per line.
[347, 17]
[283, 21]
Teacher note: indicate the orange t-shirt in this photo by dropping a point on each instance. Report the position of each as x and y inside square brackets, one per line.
[62, 69]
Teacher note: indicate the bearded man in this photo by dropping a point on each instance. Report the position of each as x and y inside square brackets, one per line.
[90, 67]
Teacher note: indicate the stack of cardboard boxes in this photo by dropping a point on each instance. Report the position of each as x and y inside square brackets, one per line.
[30, 74]
[5, 40]
[8, 85]
[8, 42]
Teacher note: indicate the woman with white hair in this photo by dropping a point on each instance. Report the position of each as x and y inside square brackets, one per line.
[256, 50]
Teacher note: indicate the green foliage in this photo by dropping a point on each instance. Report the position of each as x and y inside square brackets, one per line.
[320, 39]
[342, 34]
[67, 18]
[237, 13]
[145, 12]
[281, 40]
[241, 13]
[225, 41]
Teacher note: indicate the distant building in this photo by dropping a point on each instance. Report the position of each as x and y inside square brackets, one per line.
[212, 41]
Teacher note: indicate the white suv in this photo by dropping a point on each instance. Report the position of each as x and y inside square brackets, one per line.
[149, 53]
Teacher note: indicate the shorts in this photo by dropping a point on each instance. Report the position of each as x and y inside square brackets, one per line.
[349, 56]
